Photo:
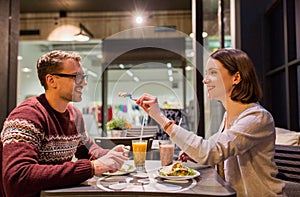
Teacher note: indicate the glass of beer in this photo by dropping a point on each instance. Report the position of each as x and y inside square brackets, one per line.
[166, 150]
[139, 149]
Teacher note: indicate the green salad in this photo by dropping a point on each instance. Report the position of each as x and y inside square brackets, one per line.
[176, 169]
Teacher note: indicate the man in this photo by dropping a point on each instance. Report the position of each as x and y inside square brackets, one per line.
[42, 134]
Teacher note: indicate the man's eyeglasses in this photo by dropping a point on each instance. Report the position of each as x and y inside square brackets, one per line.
[78, 78]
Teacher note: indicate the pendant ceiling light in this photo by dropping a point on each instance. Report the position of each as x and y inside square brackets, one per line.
[84, 34]
[63, 33]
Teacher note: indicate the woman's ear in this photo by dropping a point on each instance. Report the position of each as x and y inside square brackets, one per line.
[237, 78]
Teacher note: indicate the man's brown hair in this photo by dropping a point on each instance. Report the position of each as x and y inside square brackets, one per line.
[51, 63]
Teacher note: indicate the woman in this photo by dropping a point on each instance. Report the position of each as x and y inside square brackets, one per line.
[245, 140]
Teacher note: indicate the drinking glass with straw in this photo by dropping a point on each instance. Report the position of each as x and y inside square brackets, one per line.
[139, 148]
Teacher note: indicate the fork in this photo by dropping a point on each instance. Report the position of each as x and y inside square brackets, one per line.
[126, 95]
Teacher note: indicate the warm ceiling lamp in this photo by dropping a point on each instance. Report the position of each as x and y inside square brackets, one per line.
[139, 19]
[63, 33]
[70, 33]
[84, 34]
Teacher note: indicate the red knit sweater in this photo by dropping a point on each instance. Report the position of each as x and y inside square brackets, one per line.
[38, 146]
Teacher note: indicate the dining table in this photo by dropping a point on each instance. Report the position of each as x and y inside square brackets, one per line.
[131, 183]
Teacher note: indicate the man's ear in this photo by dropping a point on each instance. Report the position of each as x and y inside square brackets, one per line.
[50, 81]
[237, 78]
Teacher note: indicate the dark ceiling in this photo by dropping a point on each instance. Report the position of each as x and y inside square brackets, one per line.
[27, 6]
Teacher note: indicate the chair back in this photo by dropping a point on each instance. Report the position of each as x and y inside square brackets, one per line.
[135, 131]
[110, 142]
[287, 159]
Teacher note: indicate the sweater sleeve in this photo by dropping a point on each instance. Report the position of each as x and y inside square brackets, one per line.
[250, 128]
[205, 151]
[32, 161]
[23, 175]
[87, 148]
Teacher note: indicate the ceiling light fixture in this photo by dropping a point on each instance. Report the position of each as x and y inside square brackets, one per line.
[136, 79]
[204, 34]
[169, 65]
[84, 34]
[139, 19]
[188, 68]
[129, 73]
[63, 33]
[121, 66]
[26, 70]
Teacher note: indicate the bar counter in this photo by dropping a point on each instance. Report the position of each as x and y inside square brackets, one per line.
[208, 183]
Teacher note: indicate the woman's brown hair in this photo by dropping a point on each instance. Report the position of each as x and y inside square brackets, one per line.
[234, 60]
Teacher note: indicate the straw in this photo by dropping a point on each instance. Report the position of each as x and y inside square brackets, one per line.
[142, 129]
[180, 121]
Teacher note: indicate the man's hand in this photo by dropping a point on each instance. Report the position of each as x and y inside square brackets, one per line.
[110, 162]
[121, 148]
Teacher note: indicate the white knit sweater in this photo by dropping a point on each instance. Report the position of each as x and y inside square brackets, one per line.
[247, 149]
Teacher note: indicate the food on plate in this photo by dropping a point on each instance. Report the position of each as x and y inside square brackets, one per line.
[124, 94]
[126, 168]
[176, 169]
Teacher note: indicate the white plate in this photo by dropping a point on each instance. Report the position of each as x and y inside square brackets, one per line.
[141, 175]
[118, 186]
[126, 169]
[180, 177]
[167, 187]
[195, 166]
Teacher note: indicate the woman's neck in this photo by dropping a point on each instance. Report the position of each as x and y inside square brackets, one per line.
[233, 110]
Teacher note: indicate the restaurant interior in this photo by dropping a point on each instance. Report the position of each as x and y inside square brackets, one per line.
[266, 32]
[158, 47]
